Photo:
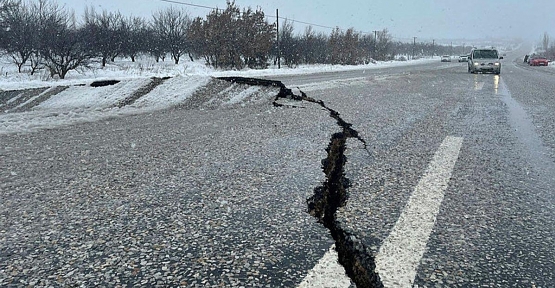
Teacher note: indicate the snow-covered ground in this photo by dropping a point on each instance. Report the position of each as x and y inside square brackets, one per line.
[82, 103]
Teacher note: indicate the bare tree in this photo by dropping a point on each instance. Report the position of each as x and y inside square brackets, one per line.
[198, 40]
[155, 44]
[220, 30]
[351, 53]
[104, 33]
[335, 44]
[134, 33]
[550, 53]
[256, 38]
[232, 38]
[383, 45]
[313, 46]
[289, 44]
[19, 31]
[5, 8]
[367, 45]
[62, 43]
[545, 41]
[171, 26]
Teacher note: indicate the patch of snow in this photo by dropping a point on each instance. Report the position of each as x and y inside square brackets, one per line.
[34, 98]
[172, 92]
[14, 98]
[236, 99]
[87, 104]
[87, 97]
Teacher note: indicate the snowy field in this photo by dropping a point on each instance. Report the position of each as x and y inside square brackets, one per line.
[79, 102]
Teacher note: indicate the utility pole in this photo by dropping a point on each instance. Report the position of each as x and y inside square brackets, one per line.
[413, 47]
[433, 48]
[375, 43]
[278, 46]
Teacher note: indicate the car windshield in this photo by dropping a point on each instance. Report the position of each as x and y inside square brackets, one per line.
[485, 54]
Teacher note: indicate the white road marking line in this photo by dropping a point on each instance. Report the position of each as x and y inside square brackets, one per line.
[478, 86]
[400, 254]
[327, 273]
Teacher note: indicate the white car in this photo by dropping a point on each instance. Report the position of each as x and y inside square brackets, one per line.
[445, 58]
[484, 60]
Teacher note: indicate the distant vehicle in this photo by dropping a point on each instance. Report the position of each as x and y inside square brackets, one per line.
[539, 61]
[445, 58]
[484, 60]
[533, 56]
[463, 58]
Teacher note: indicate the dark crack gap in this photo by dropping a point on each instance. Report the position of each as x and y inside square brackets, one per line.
[333, 193]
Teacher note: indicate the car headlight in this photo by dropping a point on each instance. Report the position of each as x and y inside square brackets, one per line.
[476, 63]
[496, 63]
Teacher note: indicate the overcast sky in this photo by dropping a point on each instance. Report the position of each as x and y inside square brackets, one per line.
[424, 19]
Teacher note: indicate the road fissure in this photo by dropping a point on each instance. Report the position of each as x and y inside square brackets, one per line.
[353, 254]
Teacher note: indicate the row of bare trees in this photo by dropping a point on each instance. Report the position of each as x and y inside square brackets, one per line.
[423, 49]
[228, 38]
[41, 35]
[346, 47]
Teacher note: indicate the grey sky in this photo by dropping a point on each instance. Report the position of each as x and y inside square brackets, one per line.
[425, 19]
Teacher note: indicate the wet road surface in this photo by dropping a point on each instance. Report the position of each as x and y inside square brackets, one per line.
[452, 172]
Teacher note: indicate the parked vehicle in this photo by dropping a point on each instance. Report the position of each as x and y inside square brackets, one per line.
[539, 61]
[445, 58]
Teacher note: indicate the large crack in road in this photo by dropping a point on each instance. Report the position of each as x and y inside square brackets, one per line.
[355, 257]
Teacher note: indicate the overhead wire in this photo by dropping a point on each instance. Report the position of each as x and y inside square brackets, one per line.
[282, 18]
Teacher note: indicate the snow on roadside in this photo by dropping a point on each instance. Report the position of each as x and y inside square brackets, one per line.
[146, 68]
[87, 104]
[34, 98]
[319, 68]
[173, 91]
[87, 97]
[236, 99]
[82, 103]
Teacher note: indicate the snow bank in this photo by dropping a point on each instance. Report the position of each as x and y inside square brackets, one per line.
[82, 103]
[79, 104]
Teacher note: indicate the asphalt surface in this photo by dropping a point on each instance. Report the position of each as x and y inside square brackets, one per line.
[495, 227]
[217, 197]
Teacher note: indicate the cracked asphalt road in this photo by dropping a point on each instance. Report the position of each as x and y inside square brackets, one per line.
[217, 197]
[495, 226]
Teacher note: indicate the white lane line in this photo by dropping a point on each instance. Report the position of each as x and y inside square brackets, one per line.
[327, 273]
[400, 254]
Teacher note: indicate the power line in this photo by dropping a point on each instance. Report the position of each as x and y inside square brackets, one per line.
[271, 16]
[189, 4]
